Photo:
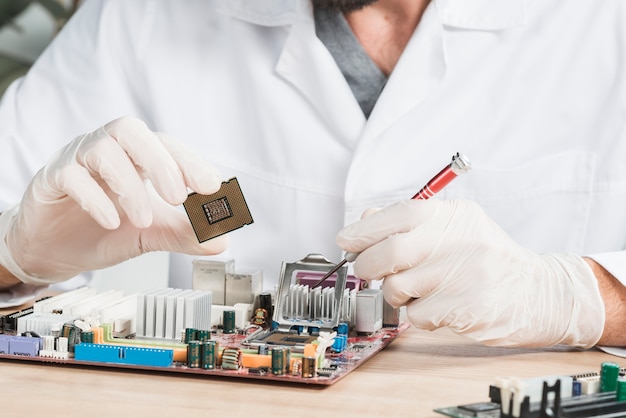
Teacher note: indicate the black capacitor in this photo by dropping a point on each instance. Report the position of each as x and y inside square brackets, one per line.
[72, 333]
[287, 359]
[86, 337]
[207, 352]
[203, 335]
[193, 354]
[190, 335]
[229, 322]
[278, 361]
[308, 367]
[265, 302]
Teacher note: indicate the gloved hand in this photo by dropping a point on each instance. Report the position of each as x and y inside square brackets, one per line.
[90, 207]
[452, 266]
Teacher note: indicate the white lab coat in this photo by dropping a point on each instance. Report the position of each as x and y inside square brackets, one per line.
[533, 92]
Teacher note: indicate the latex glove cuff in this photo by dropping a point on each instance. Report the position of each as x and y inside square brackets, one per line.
[588, 312]
[6, 258]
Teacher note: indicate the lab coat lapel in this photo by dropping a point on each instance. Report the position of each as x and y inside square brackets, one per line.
[422, 66]
[485, 15]
[305, 62]
[419, 70]
[309, 67]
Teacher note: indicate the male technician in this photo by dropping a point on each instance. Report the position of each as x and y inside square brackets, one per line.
[321, 116]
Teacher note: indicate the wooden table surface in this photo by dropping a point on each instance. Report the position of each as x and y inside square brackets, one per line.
[416, 373]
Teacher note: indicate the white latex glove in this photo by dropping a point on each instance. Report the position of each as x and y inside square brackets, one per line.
[452, 266]
[91, 207]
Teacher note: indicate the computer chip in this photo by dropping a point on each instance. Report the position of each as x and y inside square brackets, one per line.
[218, 213]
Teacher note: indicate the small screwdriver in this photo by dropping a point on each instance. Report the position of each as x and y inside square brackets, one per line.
[459, 165]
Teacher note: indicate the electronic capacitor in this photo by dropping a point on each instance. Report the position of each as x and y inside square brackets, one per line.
[229, 322]
[193, 354]
[620, 394]
[609, 372]
[190, 335]
[278, 361]
[207, 353]
[265, 302]
[72, 333]
[203, 335]
[288, 359]
[86, 337]
[308, 367]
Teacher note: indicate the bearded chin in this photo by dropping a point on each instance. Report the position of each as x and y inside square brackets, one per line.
[343, 6]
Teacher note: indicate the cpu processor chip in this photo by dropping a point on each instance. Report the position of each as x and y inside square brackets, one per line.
[218, 213]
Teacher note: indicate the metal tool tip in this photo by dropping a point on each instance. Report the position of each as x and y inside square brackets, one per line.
[330, 273]
[460, 164]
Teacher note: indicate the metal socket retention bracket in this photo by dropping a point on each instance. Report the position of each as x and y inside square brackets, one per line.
[283, 312]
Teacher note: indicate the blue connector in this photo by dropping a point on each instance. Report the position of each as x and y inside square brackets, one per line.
[119, 354]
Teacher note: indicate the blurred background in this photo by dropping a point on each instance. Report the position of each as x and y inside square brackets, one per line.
[26, 28]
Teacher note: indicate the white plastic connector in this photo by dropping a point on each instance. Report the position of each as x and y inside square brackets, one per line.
[505, 393]
[48, 346]
[62, 349]
[518, 389]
